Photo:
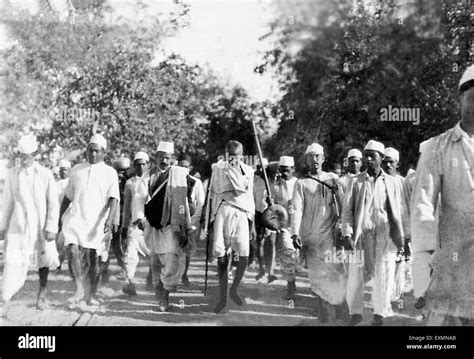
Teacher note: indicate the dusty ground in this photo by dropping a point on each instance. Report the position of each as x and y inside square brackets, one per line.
[265, 304]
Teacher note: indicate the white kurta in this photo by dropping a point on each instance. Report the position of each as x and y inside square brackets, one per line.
[378, 248]
[314, 219]
[346, 181]
[284, 191]
[197, 198]
[90, 187]
[402, 268]
[376, 231]
[447, 168]
[134, 196]
[30, 209]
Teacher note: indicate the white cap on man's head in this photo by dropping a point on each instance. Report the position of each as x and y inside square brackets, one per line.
[392, 153]
[467, 76]
[140, 155]
[315, 148]
[166, 147]
[287, 161]
[64, 164]
[375, 146]
[265, 162]
[100, 140]
[354, 153]
[28, 144]
[121, 163]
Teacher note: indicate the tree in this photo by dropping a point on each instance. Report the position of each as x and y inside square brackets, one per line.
[356, 59]
[92, 71]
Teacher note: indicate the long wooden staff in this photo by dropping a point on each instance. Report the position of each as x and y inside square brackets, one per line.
[260, 156]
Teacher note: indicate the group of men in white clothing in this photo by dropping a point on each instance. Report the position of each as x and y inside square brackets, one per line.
[370, 227]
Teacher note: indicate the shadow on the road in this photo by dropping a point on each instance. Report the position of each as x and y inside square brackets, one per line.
[264, 306]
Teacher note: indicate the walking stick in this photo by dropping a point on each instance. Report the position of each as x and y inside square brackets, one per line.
[207, 265]
[260, 157]
[275, 217]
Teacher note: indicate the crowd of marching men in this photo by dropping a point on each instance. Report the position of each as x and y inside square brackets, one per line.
[371, 226]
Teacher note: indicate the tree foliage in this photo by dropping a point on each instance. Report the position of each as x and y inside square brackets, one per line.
[355, 59]
[94, 71]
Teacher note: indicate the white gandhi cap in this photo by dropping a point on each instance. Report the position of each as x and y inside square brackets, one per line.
[27, 144]
[264, 160]
[315, 148]
[99, 140]
[287, 161]
[64, 164]
[467, 76]
[140, 155]
[167, 147]
[374, 146]
[392, 153]
[354, 153]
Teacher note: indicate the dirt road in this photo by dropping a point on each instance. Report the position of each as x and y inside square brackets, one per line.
[264, 306]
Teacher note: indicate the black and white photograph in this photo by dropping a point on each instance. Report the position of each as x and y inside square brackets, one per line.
[256, 165]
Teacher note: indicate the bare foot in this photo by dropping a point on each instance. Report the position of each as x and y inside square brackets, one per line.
[76, 298]
[5, 308]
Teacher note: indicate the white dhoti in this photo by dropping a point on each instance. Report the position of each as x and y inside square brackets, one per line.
[355, 288]
[167, 257]
[231, 230]
[379, 265]
[421, 272]
[287, 254]
[19, 259]
[328, 280]
[314, 219]
[399, 282]
[383, 284]
[136, 246]
[31, 199]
